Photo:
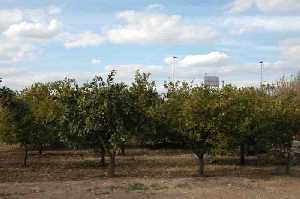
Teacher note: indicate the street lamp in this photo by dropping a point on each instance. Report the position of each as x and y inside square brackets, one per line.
[173, 67]
[261, 73]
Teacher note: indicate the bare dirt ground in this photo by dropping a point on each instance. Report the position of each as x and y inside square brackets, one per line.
[130, 188]
[140, 174]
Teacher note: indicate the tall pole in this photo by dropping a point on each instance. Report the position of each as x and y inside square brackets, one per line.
[261, 73]
[173, 68]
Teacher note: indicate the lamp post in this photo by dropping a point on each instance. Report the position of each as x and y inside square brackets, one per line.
[173, 67]
[261, 73]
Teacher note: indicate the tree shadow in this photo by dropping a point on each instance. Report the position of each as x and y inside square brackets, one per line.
[85, 165]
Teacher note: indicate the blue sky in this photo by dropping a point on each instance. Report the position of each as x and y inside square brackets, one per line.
[48, 40]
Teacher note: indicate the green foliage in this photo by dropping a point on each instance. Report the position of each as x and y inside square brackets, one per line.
[144, 99]
[7, 97]
[71, 121]
[197, 118]
[239, 116]
[7, 127]
[15, 119]
[45, 111]
[201, 118]
[104, 115]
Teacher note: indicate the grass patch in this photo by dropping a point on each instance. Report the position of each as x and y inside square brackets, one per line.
[10, 195]
[140, 187]
[137, 187]
[157, 187]
[110, 189]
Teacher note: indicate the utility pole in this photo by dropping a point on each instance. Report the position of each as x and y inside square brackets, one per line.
[261, 73]
[173, 67]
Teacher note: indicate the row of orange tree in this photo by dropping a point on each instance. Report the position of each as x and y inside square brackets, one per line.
[104, 115]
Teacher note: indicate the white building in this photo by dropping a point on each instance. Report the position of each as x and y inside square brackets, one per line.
[211, 81]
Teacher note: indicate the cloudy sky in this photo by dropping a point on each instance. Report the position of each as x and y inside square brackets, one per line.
[43, 40]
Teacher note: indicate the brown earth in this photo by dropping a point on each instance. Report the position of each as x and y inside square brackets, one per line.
[141, 174]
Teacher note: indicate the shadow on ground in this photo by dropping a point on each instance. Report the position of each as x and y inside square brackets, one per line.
[138, 163]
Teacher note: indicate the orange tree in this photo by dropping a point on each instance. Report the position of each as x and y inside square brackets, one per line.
[238, 121]
[144, 97]
[280, 126]
[15, 121]
[194, 114]
[118, 113]
[46, 112]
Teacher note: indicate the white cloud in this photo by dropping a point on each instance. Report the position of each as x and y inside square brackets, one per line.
[53, 10]
[288, 61]
[278, 5]
[20, 29]
[8, 17]
[154, 7]
[125, 72]
[210, 59]
[238, 6]
[216, 63]
[6, 72]
[34, 31]
[86, 39]
[144, 27]
[19, 78]
[189, 67]
[239, 25]
[290, 51]
[39, 15]
[193, 67]
[96, 61]
[13, 52]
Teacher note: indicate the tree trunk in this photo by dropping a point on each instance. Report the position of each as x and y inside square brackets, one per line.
[123, 149]
[25, 157]
[200, 163]
[112, 164]
[100, 152]
[288, 163]
[102, 162]
[242, 154]
[41, 149]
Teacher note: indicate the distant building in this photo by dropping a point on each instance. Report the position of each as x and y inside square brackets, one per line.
[211, 81]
